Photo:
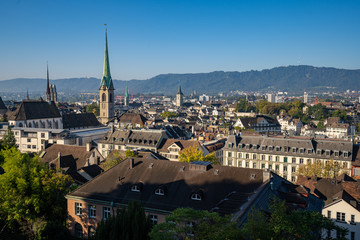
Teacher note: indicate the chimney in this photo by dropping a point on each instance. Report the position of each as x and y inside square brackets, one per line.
[59, 157]
[88, 146]
[131, 163]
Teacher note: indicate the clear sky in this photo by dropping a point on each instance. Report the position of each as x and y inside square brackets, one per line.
[152, 37]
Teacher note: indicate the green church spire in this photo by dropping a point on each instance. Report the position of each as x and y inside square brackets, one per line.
[106, 78]
[179, 92]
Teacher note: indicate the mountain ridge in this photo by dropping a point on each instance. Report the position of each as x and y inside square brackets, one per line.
[283, 78]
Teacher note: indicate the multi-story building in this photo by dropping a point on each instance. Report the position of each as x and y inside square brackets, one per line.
[341, 196]
[285, 155]
[260, 124]
[163, 186]
[290, 125]
[131, 139]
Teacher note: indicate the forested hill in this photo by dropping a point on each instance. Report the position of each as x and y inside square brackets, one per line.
[291, 78]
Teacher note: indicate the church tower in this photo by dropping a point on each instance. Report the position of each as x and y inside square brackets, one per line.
[48, 97]
[106, 89]
[179, 97]
[126, 99]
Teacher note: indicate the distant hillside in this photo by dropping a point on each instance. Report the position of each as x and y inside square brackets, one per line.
[291, 78]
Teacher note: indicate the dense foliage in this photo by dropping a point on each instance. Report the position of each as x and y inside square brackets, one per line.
[93, 108]
[281, 224]
[32, 198]
[129, 223]
[186, 223]
[168, 114]
[193, 153]
[330, 169]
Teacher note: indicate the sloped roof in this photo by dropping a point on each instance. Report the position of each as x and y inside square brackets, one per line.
[76, 154]
[132, 118]
[80, 120]
[35, 109]
[2, 105]
[180, 182]
[181, 143]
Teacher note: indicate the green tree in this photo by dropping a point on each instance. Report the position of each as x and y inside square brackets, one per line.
[129, 153]
[93, 108]
[282, 224]
[8, 139]
[129, 223]
[113, 159]
[193, 153]
[168, 114]
[184, 223]
[319, 112]
[32, 197]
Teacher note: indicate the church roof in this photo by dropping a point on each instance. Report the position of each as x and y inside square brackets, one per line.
[35, 109]
[74, 120]
[2, 105]
[106, 80]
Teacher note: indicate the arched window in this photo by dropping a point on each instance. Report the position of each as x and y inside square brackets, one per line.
[30, 125]
[111, 98]
[103, 98]
[78, 230]
[197, 195]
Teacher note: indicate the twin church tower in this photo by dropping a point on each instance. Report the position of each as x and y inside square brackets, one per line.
[107, 91]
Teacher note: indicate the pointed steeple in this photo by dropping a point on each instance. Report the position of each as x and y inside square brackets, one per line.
[106, 80]
[47, 83]
[126, 91]
[179, 92]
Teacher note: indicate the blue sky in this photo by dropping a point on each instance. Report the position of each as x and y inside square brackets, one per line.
[152, 37]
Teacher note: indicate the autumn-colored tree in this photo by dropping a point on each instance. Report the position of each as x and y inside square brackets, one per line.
[113, 159]
[193, 153]
[93, 108]
[328, 169]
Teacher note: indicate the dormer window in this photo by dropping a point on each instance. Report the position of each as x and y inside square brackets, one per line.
[318, 152]
[247, 146]
[336, 153]
[277, 148]
[309, 151]
[301, 150]
[161, 190]
[327, 152]
[150, 141]
[196, 196]
[285, 149]
[136, 187]
[240, 146]
[294, 150]
[263, 148]
[346, 154]
[270, 148]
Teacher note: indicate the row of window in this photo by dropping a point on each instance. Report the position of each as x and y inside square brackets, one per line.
[340, 216]
[277, 158]
[293, 149]
[106, 211]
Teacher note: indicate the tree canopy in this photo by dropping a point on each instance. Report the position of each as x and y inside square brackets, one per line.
[186, 223]
[168, 114]
[8, 140]
[93, 108]
[32, 197]
[329, 169]
[193, 153]
[281, 224]
[129, 223]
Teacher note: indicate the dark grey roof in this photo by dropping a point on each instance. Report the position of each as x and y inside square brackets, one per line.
[80, 120]
[179, 179]
[281, 145]
[2, 105]
[35, 109]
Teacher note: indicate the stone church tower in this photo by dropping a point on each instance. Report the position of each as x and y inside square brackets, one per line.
[106, 90]
[179, 97]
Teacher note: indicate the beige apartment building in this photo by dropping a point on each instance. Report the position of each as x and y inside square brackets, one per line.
[285, 155]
